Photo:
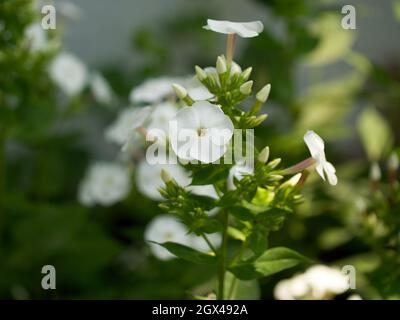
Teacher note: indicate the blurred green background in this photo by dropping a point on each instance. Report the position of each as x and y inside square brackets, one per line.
[344, 84]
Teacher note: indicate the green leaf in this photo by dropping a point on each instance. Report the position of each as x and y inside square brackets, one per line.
[375, 133]
[187, 253]
[270, 262]
[236, 234]
[206, 225]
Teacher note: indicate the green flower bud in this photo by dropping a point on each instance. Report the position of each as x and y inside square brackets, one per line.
[246, 73]
[165, 176]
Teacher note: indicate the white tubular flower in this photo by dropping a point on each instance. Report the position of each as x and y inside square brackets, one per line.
[201, 132]
[36, 37]
[243, 29]
[316, 146]
[153, 90]
[149, 179]
[238, 171]
[68, 73]
[163, 229]
[104, 184]
[101, 90]
[127, 122]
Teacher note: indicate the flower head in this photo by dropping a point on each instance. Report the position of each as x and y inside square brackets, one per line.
[68, 73]
[243, 29]
[104, 184]
[201, 132]
[36, 37]
[316, 146]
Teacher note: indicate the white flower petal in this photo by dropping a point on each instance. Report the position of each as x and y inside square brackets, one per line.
[243, 29]
[330, 173]
[314, 143]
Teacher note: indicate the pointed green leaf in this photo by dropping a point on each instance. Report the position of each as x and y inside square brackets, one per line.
[270, 262]
[187, 253]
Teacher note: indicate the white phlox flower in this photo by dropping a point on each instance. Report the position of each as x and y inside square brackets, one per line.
[153, 90]
[316, 146]
[201, 132]
[317, 283]
[104, 184]
[69, 73]
[126, 124]
[166, 228]
[36, 37]
[243, 29]
[163, 229]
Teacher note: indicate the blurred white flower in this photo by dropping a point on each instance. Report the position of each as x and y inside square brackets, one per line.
[161, 116]
[127, 122]
[166, 228]
[201, 132]
[162, 229]
[317, 283]
[238, 171]
[101, 90]
[69, 73]
[148, 178]
[198, 243]
[243, 29]
[316, 146]
[196, 90]
[36, 37]
[153, 90]
[104, 184]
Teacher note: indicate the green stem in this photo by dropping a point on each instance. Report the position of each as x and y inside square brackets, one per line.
[222, 258]
[209, 243]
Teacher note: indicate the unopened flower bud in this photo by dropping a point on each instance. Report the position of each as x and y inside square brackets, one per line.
[393, 162]
[264, 155]
[180, 91]
[201, 74]
[263, 94]
[221, 65]
[246, 87]
[274, 163]
[375, 172]
[165, 176]
[246, 73]
[294, 180]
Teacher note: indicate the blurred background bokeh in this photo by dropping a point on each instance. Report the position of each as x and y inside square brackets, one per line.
[344, 84]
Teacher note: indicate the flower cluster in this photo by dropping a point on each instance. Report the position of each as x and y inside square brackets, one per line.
[192, 123]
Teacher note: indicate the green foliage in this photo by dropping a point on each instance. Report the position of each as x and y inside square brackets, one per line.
[270, 262]
[188, 253]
